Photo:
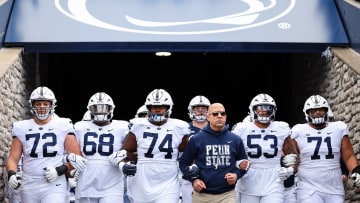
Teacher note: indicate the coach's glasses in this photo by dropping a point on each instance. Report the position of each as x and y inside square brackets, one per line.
[216, 113]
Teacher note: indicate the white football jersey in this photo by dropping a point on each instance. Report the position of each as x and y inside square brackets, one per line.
[319, 168]
[157, 168]
[264, 150]
[43, 145]
[97, 143]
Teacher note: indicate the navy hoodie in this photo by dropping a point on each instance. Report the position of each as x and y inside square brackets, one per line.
[215, 153]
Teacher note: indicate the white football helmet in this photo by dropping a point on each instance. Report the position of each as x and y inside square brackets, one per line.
[314, 102]
[247, 119]
[42, 94]
[159, 97]
[101, 107]
[87, 116]
[141, 112]
[265, 101]
[198, 101]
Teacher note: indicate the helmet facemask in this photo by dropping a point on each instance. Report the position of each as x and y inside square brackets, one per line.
[316, 120]
[101, 112]
[198, 114]
[157, 117]
[270, 113]
[37, 110]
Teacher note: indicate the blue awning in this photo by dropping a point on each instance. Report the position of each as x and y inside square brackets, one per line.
[172, 25]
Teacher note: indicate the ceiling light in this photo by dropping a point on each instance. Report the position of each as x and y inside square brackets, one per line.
[163, 53]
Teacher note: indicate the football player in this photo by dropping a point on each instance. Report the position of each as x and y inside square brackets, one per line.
[198, 109]
[322, 145]
[98, 139]
[157, 140]
[43, 140]
[265, 139]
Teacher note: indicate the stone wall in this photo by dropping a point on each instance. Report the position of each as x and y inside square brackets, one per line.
[17, 80]
[343, 93]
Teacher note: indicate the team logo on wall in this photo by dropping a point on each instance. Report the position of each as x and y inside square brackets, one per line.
[177, 17]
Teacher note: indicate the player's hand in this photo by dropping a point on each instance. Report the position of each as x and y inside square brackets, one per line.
[127, 168]
[75, 173]
[72, 182]
[193, 172]
[243, 164]
[355, 176]
[285, 173]
[118, 156]
[344, 178]
[76, 161]
[289, 160]
[50, 174]
[14, 180]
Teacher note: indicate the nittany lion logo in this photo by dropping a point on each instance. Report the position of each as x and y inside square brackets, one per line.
[176, 17]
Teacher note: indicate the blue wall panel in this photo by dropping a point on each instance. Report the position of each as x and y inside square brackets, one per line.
[5, 10]
[173, 25]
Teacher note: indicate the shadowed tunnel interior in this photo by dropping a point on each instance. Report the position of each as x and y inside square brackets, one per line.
[230, 78]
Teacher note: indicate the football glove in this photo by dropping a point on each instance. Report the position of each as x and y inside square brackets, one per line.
[14, 180]
[127, 168]
[76, 161]
[118, 156]
[52, 173]
[75, 173]
[193, 172]
[285, 173]
[355, 176]
[73, 181]
[289, 160]
[238, 163]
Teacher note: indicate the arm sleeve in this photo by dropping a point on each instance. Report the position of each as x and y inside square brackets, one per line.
[344, 170]
[187, 157]
[242, 155]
